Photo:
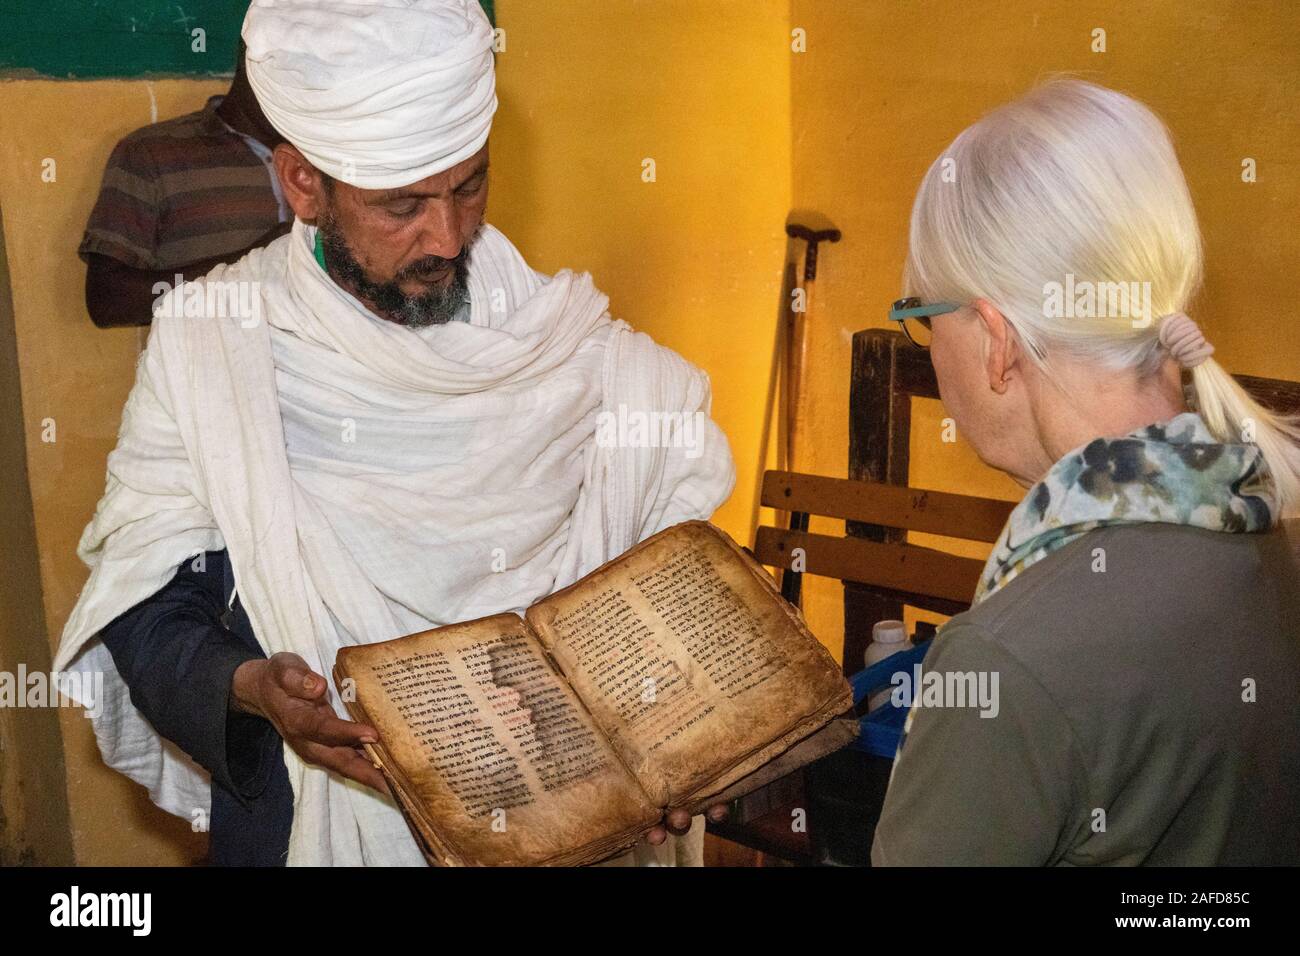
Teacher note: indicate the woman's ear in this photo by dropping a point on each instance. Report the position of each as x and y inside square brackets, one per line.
[304, 189]
[1001, 346]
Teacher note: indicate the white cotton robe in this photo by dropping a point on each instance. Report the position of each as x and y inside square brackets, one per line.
[368, 481]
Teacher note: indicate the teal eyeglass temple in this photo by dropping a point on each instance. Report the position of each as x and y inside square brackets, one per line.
[911, 308]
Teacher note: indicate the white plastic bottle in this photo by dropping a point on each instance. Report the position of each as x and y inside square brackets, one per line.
[887, 638]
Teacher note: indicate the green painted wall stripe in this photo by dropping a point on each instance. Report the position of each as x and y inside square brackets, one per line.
[98, 39]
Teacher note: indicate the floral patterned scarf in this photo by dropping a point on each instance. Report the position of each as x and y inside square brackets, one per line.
[1173, 472]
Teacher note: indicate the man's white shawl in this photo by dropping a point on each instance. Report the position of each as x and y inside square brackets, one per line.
[369, 480]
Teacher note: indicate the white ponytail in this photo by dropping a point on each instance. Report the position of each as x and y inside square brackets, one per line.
[1078, 186]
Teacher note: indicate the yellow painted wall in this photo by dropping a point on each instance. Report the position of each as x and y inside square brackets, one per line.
[741, 130]
[885, 86]
[589, 89]
[78, 376]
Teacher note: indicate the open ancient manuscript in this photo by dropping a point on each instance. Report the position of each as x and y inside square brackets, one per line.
[666, 678]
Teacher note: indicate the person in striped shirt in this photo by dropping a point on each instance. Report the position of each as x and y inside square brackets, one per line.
[179, 197]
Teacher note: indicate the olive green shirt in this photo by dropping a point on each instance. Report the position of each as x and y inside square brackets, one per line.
[1148, 712]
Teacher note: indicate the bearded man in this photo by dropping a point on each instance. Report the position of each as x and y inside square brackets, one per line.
[395, 427]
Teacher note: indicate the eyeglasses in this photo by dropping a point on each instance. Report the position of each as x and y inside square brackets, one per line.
[915, 318]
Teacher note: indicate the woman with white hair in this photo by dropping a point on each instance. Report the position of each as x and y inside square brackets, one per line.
[1138, 620]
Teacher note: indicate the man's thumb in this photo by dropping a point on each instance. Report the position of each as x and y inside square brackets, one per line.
[297, 678]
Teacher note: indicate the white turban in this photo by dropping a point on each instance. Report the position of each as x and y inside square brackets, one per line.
[377, 93]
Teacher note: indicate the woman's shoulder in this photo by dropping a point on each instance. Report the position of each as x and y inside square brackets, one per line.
[1155, 586]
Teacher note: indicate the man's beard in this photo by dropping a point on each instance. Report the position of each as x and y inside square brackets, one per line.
[435, 307]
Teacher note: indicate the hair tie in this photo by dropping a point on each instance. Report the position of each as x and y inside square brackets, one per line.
[1184, 340]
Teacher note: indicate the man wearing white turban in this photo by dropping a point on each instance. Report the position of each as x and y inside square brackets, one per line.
[382, 422]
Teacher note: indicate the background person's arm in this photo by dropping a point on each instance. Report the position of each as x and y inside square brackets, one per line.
[118, 294]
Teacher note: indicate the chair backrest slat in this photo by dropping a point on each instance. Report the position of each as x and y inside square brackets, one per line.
[900, 567]
[894, 506]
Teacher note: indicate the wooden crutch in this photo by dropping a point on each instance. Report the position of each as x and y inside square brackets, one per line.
[799, 314]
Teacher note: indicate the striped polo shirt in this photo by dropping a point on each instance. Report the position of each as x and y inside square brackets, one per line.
[184, 190]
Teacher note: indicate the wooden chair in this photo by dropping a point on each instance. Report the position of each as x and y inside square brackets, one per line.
[880, 570]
